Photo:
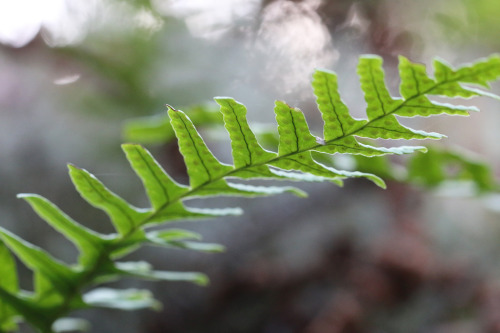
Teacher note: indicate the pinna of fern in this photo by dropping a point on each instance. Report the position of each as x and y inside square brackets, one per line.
[60, 288]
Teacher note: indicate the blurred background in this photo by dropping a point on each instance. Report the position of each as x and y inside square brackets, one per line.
[356, 259]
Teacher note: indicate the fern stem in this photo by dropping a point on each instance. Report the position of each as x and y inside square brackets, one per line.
[193, 191]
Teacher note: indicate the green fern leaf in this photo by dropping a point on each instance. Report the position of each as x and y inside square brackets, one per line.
[143, 270]
[202, 166]
[294, 133]
[335, 114]
[449, 80]
[177, 211]
[34, 313]
[223, 188]
[177, 238]
[8, 283]
[195, 246]
[414, 79]
[123, 215]
[62, 278]
[371, 75]
[70, 325]
[414, 84]
[160, 188]
[246, 150]
[349, 145]
[88, 242]
[388, 127]
[127, 299]
[380, 106]
[157, 128]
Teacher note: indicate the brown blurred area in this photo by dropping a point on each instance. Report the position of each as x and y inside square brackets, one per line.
[356, 259]
[392, 280]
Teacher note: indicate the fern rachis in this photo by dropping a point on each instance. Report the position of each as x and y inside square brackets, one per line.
[59, 287]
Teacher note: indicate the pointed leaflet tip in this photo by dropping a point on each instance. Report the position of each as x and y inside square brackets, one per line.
[88, 242]
[159, 186]
[143, 269]
[163, 239]
[324, 70]
[483, 93]
[202, 166]
[71, 324]
[170, 107]
[123, 215]
[223, 188]
[123, 299]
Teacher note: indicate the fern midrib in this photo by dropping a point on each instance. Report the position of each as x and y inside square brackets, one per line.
[375, 87]
[207, 170]
[284, 156]
[111, 203]
[332, 104]
[164, 190]
[244, 137]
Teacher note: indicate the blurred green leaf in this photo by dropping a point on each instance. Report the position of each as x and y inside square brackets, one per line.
[126, 299]
[157, 129]
[9, 283]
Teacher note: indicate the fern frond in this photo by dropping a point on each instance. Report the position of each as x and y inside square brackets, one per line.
[59, 287]
[8, 284]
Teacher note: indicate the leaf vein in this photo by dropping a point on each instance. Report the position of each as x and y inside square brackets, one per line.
[332, 104]
[164, 190]
[197, 152]
[243, 135]
[129, 218]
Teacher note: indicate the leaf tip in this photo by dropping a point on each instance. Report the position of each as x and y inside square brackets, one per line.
[71, 167]
[223, 98]
[217, 248]
[202, 280]
[128, 147]
[318, 71]
[370, 57]
[379, 182]
[300, 193]
[170, 107]
[402, 58]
